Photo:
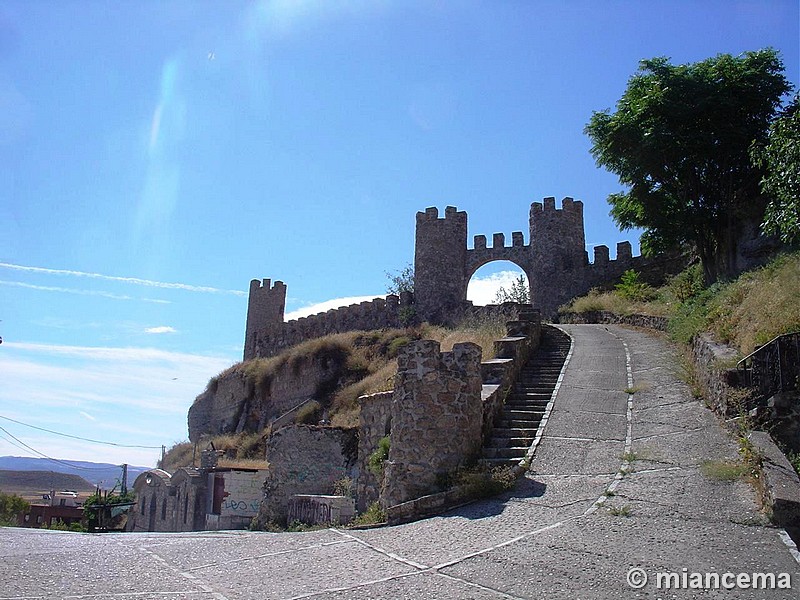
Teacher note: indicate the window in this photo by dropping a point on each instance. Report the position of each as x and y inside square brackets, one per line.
[27, 518]
[62, 502]
[39, 519]
[164, 510]
[185, 507]
[143, 503]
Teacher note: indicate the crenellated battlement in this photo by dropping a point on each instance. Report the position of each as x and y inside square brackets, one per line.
[568, 206]
[451, 213]
[555, 261]
[379, 313]
[498, 241]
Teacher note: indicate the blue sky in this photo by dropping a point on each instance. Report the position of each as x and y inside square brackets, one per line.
[157, 156]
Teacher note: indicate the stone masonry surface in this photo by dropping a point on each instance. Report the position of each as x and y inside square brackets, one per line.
[553, 536]
[437, 418]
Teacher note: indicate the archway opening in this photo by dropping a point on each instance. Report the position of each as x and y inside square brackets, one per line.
[496, 280]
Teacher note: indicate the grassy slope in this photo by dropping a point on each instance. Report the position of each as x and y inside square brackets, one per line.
[368, 365]
[744, 313]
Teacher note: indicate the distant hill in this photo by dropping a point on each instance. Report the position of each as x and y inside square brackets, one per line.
[103, 474]
[42, 482]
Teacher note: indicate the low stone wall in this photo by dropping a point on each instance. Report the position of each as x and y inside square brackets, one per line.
[780, 485]
[604, 316]
[318, 509]
[305, 459]
[719, 382]
[500, 373]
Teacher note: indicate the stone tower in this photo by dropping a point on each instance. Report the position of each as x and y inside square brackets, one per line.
[265, 306]
[558, 253]
[439, 261]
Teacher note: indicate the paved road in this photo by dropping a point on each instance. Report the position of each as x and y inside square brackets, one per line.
[571, 529]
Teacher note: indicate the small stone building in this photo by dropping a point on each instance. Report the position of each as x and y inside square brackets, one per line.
[196, 499]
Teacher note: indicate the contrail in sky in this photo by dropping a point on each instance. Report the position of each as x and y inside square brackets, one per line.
[50, 288]
[131, 280]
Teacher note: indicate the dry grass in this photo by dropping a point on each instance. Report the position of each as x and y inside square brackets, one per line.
[597, 300]
[246, 449]
[364, 363]
[759, 305]
[745, 313]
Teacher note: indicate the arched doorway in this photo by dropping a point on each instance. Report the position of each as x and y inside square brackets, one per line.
[488, 279]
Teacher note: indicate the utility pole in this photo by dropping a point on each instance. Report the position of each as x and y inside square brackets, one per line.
[124, 479]
[163, 454]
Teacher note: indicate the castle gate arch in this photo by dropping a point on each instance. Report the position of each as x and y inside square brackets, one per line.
[481, 271]
[554, 260]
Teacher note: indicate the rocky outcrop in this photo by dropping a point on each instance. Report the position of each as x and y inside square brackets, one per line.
[242, 399]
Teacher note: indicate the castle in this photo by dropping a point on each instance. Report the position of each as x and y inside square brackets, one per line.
[555, 262]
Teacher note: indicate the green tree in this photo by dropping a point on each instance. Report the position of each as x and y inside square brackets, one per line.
[679, 140]
[400, 281]
[10, 506]
[518, 292]
[780, 158]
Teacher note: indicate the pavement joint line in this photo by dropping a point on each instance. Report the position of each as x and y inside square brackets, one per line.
[578, 439]
[556, 506]
[386, 553]
[184, 574]
[480, 586]
[571, 475]
[269, 554]
[659, 435]
[786, 539]
[355, 586]
[625, 466]
[513, 540]
[130, 594]
[665, 469]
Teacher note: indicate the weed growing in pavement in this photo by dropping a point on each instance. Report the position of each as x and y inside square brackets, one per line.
[620, 511]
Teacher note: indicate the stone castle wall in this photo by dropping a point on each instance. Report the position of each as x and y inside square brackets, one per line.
[555, 262]
[269, 335]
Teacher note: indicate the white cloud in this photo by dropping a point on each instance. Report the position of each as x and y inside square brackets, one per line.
[327, 305]
[131, 280]
[161, 329]
[482, 290]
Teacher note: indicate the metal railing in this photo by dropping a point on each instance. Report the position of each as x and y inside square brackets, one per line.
[774, 367]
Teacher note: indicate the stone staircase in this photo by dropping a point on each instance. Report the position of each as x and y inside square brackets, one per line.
[516, 426]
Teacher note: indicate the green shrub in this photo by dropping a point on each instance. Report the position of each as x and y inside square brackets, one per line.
[631, 287]
[372, 516]
[379, 457]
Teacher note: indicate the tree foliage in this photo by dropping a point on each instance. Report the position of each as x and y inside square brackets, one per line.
[10, 506]
[401, 281]
[679, 141]
[518, 292]
[780, 158]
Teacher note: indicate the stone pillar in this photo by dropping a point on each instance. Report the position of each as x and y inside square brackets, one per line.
[440, 255]
[437, 418]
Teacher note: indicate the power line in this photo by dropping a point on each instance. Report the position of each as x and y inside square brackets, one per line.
[55, 460]
[76, 437]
